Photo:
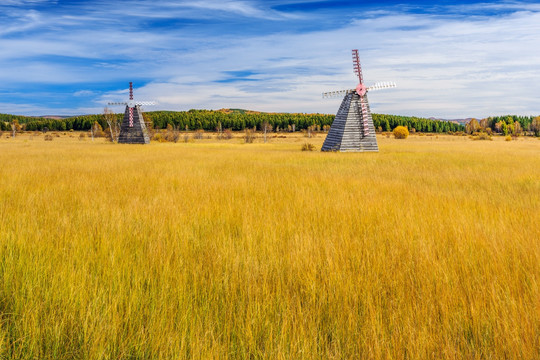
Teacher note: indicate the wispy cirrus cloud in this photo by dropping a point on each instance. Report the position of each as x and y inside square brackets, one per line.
[242, 8]
[27, 2]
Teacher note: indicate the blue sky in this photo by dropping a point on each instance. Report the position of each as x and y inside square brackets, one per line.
[450, 59]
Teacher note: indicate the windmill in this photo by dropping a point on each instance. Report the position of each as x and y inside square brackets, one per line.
[133, 129]
[352, 129]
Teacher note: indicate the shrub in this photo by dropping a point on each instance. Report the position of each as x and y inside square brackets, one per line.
[172, 135]
[158, 137]
[249, 136]
[199, 135]
[508, 138]
[227, 134]
[308, 147]
[401, 132]
[482, 136]
[48, 137]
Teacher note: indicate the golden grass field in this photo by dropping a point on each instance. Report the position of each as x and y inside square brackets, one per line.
[429, 249]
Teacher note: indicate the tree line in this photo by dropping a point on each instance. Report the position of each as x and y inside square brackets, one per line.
[235, 120]
[505, 125]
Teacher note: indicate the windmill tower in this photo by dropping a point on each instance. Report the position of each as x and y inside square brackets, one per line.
[133, 129]
[352, 129]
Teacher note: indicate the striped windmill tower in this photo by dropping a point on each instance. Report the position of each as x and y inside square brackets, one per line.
[133, 129]
[352, 129]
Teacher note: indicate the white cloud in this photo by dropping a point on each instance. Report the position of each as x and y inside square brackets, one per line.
[445, 66]
[26, 2]
[451, 68]
[243, 8]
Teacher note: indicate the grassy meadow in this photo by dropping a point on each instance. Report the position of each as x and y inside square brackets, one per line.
[213, 249]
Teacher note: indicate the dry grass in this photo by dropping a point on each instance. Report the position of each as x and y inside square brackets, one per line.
[426, 250]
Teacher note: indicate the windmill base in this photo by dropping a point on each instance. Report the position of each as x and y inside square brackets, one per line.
[134, 131]
[352, 131]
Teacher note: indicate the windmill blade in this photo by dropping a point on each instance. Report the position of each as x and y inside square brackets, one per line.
[339, 93]
[145, 103]
[357, 66]
[382, 85]
[117, 103]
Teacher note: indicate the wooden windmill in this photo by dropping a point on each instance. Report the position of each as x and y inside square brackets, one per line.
[352, 129]
[133, 129]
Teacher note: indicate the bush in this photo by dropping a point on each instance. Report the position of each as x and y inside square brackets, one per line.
[158, 137]
[482, 136]
[249, 136]
[401, 132]
[508, 138]
[48, 137]
[199, 134]
[171, 135]
[227, 134]
[308, 147]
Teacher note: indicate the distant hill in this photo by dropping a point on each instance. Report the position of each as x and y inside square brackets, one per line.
[455, 121]
[55, 117]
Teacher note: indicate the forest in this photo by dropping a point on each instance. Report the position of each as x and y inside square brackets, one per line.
[505, 125]
[234, 119]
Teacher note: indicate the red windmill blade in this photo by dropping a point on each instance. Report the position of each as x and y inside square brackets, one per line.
[361, 89]
[356, 66]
